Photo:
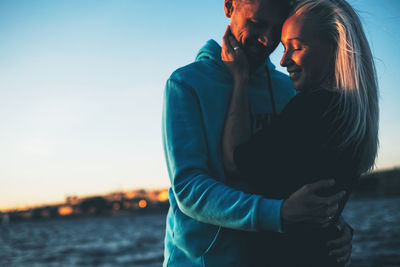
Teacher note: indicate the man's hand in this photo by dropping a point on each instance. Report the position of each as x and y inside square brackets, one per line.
[305, 206]
[341, 247]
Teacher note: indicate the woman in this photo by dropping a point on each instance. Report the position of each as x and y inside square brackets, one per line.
[328, 130]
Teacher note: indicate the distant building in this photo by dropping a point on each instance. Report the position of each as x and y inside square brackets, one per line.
[382, 182]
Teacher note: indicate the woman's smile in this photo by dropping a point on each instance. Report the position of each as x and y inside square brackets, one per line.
[294, 74]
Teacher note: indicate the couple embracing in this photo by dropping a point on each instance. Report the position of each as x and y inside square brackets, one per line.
[262, 164]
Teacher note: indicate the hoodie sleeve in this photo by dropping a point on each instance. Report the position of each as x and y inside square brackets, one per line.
[198, 195]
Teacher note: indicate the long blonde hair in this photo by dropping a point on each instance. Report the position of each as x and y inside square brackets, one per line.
[354, 74]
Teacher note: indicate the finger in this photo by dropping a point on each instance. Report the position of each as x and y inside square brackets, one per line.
[314, 187]
[340, 252]
[343, 226]
[325, 225]
[344, 239]
[338, 242]
[321, 220]
[326, 212]
[315, 222]
[331, 211]
[345, 259]
[327, 221]
[226, 42]
[233, 42]
[332, 200]
[340, 224]
[321, 225]
[318, 222]
[227, 32]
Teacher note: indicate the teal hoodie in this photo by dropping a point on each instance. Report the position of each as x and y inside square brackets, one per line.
[206, 218]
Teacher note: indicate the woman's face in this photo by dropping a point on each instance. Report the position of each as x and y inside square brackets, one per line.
[308, 58]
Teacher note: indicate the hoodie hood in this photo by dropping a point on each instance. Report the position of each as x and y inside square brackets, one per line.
[212, 51]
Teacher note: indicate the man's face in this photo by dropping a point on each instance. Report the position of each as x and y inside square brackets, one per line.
[257, 25]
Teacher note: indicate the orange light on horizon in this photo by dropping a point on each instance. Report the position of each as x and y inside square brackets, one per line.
[116, 206]
[27, 215]
[142, 203]
[65, 210]
[127, 205]
[163, 196]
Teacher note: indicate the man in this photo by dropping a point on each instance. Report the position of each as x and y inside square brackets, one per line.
[206, 218]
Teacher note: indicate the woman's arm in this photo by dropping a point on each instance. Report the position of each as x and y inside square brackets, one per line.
[237, 128]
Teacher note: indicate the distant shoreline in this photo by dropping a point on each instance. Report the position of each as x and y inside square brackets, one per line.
[114, 204]
[382, 183]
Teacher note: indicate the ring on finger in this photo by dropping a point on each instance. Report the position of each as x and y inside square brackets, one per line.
[330, 218]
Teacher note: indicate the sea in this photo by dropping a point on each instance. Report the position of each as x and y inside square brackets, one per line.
[137, 240]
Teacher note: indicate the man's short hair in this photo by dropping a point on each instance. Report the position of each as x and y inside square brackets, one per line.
[285, 3]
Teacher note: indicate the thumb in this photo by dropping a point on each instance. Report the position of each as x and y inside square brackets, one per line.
[314, 187]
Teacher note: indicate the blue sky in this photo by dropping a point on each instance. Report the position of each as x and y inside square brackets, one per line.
[81, 86]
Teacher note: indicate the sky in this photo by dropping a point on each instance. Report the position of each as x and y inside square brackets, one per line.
[81, 89]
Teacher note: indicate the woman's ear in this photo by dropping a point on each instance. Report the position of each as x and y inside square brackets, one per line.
[228, 8]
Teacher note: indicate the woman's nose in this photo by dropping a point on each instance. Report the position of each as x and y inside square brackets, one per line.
[286, 60]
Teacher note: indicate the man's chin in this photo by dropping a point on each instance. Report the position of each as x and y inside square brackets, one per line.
[256, 60]
[256, 63]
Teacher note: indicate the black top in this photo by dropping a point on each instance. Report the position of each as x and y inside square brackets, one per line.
[300, 147]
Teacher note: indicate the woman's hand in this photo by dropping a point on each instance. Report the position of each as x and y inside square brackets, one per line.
[341, 247]
[234, 57]
[237, 128]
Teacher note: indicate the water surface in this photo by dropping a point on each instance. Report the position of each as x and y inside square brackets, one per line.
[138, 240]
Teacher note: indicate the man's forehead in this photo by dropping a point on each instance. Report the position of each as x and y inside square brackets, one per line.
[280, 3]
[265, 10]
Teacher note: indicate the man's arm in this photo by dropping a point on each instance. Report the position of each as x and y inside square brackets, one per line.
[197, 194]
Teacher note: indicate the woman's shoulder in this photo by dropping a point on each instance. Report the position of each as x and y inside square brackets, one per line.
[319, 97]
[314, 103]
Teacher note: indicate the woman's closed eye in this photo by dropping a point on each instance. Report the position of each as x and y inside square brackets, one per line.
[292, 49]
[296, 47]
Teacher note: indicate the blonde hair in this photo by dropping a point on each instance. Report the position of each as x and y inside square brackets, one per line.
[354, 74]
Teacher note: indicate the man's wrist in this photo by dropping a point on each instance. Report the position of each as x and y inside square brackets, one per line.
[269, 215]
[282, 224]
[283, 221]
